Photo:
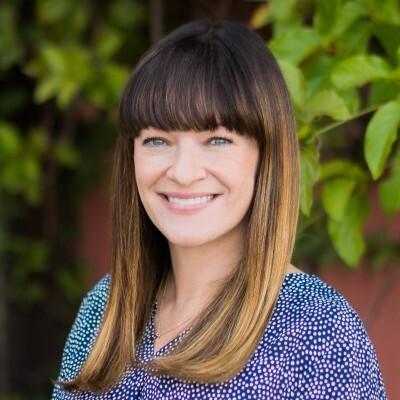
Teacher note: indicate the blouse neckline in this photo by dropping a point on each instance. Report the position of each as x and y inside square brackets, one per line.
[169, 344]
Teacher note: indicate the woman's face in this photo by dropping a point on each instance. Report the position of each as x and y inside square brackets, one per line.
[195, 186]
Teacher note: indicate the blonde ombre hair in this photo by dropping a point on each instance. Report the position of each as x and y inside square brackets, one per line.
[202, 75]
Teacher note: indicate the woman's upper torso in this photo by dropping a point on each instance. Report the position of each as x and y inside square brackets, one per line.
[315, 346]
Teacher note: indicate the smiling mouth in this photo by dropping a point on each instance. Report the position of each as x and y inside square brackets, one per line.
[193, 201]
[189, 205]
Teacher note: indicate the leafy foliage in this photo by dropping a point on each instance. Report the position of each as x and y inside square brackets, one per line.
[63, 69]
[341, 60]
[62, 65]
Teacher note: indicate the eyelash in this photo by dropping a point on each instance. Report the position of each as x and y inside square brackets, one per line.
[151, 139]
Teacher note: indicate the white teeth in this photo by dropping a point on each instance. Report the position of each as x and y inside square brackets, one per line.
[190, 202]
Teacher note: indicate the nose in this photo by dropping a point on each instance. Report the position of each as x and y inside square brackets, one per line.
[186, 166]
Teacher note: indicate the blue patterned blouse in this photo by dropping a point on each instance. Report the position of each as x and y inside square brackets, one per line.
[314, 347]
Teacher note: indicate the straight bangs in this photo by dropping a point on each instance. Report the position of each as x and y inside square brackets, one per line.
[195, 85]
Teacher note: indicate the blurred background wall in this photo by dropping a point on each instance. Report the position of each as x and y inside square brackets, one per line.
[63, 64]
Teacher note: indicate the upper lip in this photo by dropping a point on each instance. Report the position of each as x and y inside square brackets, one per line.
[187, 195]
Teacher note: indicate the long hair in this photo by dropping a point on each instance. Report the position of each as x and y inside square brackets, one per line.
[201, 76]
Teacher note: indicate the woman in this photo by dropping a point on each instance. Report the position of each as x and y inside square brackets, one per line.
[202, 301]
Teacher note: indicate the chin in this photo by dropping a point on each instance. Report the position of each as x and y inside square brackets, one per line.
[188, 239]
[187, 242]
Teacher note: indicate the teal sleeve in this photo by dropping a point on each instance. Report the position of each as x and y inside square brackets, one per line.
[82, 334]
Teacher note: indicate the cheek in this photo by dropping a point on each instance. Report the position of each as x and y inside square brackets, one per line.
[244, 177]
[144, 170]
[143, 182]
[139, 174]
[149, 166]
[240, 183]
[243, 169]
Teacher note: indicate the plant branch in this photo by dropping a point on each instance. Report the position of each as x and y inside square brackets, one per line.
[355, 116]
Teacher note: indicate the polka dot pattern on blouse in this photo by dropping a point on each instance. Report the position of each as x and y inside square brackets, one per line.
[315, 346]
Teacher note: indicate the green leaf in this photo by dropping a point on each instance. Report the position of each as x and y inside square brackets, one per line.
[346, 15]
[326, 102]
[355, 40]
[22, 176]
[126, 14]
[261, 16]
[294, 44]
[342, 167]
[282, 10]
[10, 142]
[333, 18]
[388, 36]
[68, 89]
[115, 77]
[325, 15]
[381, 92]
[317, 73]
[384, 10]
[389, 189]
[398, 55]
[49, 11]
[108, 43]
[335, 195]
[54, 59]
[65, 17]
[46, 88]
[36, 141]
[310, 171]
[380, 136]
[396, 74]
[351, 99]
[295, 81]
[78, 63]
[61, 72]
[305, 132]
[346, 234]
[106, 89]
[389, 195]
[10, 177]
[30, 168]
[358, 70]
[10, 46]
[65, 154]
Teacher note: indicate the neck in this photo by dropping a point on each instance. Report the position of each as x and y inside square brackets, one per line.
[198, 272]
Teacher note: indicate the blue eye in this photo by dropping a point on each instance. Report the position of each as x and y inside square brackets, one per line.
[153, 141]
[157, 141]
[221, 139]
